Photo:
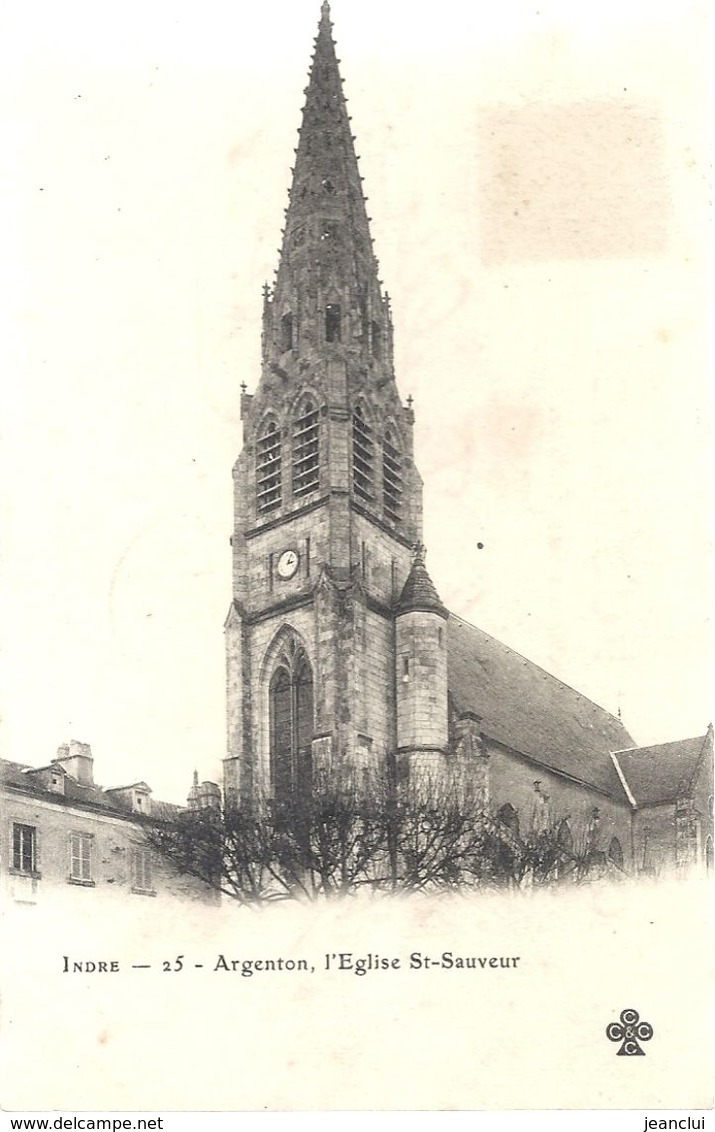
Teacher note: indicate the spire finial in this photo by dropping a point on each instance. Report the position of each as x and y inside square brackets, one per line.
[419, 551]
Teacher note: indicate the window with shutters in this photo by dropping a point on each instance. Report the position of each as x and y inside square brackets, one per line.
[81, 858]
[291, 726]
[306, 449]
[268, 468]
[392, 484]
[363, 457]
[141, 871]
[24, 848]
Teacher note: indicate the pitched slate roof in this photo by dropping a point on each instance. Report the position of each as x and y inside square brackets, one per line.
[661, 773]
[12, 773]
[20, 776]
[531, 712]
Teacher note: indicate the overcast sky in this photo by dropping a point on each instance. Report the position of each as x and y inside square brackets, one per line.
[537, 181]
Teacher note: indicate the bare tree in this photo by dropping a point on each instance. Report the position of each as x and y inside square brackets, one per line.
[429, 834]
[437, 828]
[233, 852]
[329, 842]
[333, 841]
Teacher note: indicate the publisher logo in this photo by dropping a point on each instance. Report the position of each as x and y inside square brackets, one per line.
[630, 1032]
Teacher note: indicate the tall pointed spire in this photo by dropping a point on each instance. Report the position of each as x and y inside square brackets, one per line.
[327, 258]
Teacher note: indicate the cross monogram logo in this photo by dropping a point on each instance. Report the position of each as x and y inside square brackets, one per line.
[629, 1031]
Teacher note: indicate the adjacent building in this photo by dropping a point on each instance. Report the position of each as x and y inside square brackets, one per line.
[61, 833]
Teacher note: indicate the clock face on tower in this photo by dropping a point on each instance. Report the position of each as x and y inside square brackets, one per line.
[287, 564]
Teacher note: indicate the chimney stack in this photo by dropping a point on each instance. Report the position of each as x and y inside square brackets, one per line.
[76, 758]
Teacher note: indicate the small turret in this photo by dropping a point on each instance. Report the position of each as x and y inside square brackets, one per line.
[192, 798]
[421, 660]
[204, 795]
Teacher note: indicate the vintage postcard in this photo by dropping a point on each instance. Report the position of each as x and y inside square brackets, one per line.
[357, 747]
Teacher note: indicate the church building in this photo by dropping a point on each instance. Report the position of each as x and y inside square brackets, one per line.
[340, 654]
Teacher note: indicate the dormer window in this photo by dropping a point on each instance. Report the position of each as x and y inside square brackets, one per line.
[306, 450]
[332, 322]
[392, 483]
[268, 468]
[363, 457]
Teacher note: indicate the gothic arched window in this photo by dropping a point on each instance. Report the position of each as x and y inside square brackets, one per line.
[392, 488]
[268, 467]
[508, 816]
[306, 449]
[615, 853]
[281, 734]
[287, 331]
[376, 340]
[291, 725]
[332, 322]
[564, 836]
[363, 457]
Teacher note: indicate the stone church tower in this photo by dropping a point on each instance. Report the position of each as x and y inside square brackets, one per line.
[336, 639]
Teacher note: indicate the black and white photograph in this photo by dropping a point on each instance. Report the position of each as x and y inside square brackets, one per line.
[357, 740]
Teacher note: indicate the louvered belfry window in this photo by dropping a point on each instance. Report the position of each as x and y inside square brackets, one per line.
[268, 468]
[363, 457]
[306, 450]
[392, 488]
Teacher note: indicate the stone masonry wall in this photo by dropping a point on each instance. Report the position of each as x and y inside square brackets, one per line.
[421, 681]
[113, 840]
[512, 780]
